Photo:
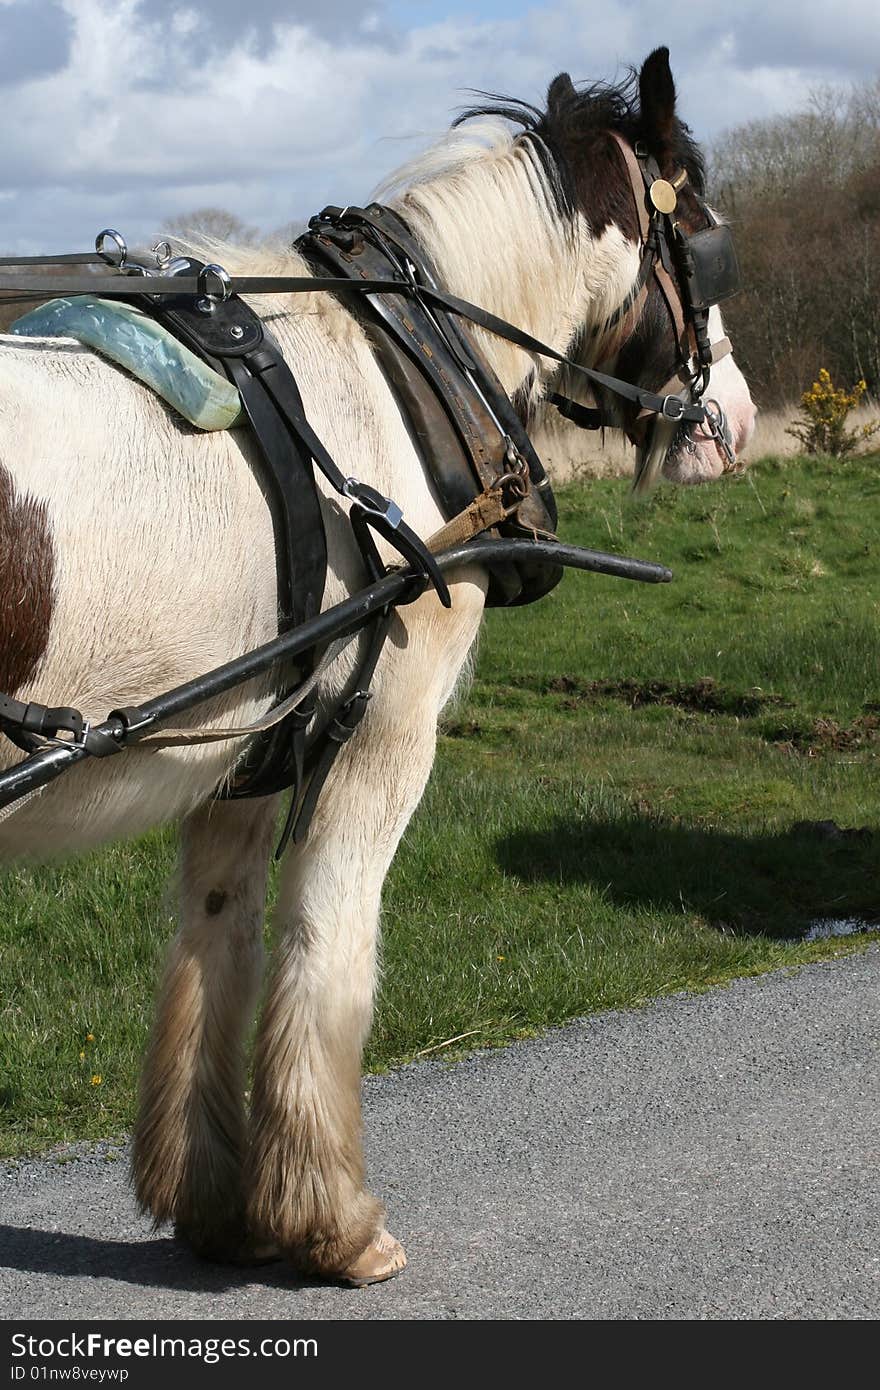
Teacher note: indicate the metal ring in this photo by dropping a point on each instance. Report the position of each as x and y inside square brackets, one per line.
[108, 234]
[517, 483]
[163, 253]
[225, 284]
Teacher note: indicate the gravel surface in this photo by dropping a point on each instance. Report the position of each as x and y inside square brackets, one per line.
[710, 1156]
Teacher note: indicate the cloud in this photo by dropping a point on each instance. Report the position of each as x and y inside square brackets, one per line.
[274, 108]
[838, 42]
[213, 24]
[35, 38]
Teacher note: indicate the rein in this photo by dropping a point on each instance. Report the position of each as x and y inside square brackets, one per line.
[692, 272]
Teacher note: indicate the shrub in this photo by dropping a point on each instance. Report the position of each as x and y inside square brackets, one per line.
[822, 426]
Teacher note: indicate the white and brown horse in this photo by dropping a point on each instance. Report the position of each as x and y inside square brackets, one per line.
[135, 554]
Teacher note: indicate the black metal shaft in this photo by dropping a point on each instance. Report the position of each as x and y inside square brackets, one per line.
[40, 768]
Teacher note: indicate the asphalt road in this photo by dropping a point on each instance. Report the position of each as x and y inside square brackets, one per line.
[711, 1156]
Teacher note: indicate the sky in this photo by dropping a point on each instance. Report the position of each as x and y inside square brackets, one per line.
[129, 112]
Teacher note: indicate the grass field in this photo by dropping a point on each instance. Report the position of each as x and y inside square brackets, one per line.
[625, 804]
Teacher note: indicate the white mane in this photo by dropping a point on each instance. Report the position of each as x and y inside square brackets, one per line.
[450, 153]
[480, 201]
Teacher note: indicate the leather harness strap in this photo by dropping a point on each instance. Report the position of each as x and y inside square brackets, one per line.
[250, 285]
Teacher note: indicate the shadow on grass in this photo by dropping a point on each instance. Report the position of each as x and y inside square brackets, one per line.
[776, 886]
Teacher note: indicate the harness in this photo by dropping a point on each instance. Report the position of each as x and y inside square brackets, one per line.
[487, 476]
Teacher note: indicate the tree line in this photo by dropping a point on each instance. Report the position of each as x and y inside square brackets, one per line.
[802, 193]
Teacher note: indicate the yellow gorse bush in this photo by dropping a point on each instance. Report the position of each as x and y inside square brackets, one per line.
[822, 426]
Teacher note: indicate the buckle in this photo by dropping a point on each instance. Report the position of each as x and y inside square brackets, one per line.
[716, 424]
[372, 501]
[672, 408]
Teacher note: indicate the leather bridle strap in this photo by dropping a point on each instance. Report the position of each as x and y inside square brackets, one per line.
[638, 176]
[593, 418]
[637, 183]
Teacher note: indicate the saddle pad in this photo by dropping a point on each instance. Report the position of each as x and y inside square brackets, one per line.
[150, 352]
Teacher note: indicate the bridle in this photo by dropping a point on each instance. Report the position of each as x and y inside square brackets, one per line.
[693, 271]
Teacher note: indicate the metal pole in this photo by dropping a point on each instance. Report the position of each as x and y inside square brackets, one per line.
[38, 769]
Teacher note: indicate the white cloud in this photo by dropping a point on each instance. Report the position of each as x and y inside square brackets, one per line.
[144, 120]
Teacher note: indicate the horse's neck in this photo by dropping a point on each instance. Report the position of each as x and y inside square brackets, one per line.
[497, 239]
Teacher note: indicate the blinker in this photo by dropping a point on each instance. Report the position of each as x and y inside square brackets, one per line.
[709, 268]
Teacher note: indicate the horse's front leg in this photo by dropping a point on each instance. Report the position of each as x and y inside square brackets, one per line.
[306, 1182]
[190, 1134]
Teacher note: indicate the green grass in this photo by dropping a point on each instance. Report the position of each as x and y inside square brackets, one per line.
[613, 814]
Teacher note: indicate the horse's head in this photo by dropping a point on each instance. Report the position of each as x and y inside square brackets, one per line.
[588, 228]
[632, 176]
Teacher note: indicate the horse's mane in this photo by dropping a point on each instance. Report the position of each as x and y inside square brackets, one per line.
[572, 117]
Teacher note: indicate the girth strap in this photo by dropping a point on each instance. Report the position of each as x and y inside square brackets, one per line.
[276, 758]
[24, 724]
[336, 732]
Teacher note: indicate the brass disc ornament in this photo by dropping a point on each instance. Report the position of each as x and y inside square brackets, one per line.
[663, 195]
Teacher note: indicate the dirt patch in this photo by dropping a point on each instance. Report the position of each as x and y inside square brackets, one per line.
[826, 735]
[465, 728]
[830, 830]
[704, 696]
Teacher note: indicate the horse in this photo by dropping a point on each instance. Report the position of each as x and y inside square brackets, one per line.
[135, 554]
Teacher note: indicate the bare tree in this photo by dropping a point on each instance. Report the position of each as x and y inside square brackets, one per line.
[803, 193]
[217, 223]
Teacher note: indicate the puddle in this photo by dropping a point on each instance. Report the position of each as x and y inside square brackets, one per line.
[824, 927]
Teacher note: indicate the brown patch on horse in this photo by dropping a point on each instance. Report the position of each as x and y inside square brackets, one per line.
[27, 573]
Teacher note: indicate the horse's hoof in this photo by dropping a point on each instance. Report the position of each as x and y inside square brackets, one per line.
[383, 1258]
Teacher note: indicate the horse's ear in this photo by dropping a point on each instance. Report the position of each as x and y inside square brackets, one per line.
[560, 89]
[657, 98]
